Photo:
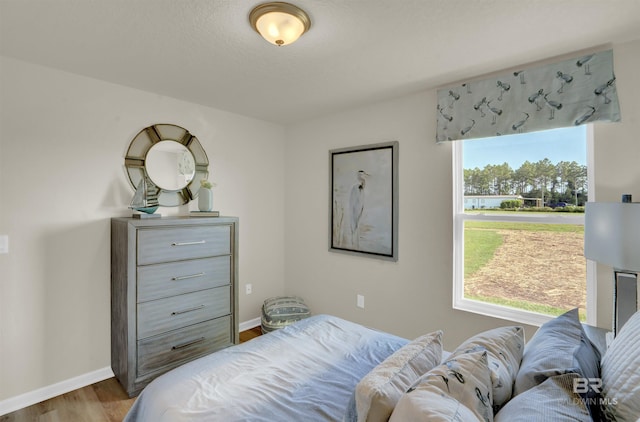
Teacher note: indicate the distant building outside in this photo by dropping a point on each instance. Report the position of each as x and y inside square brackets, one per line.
[478, 202]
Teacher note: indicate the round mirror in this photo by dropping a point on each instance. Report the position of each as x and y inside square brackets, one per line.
[170, 165]
[169, 159]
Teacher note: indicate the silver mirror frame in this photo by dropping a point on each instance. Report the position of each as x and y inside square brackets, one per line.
[135, 161]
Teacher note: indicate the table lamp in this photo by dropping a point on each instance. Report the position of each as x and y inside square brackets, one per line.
[612, 237]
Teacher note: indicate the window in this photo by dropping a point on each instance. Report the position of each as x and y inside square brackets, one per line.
[519, 225]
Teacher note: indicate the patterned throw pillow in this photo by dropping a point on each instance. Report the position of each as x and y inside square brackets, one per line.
[379, 391]
[457, 390]
[505, 346]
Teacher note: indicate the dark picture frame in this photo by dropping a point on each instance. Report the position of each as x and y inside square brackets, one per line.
[363, 200]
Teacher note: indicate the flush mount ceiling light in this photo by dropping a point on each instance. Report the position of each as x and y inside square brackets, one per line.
[279, 23]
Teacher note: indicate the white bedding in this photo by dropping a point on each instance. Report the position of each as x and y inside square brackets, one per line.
[304, 372]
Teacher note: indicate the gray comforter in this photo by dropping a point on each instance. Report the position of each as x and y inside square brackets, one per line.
[304, 372]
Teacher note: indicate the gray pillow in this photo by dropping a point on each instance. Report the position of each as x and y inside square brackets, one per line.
[553, 400]
[559, 347]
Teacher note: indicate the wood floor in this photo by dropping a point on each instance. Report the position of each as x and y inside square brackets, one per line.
[250, 334]
[104, 401]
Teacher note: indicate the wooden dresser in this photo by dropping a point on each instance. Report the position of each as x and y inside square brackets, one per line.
[174, 293]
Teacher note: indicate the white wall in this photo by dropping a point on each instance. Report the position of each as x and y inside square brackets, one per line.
[62, 143]
[617, 155]
[414, 295]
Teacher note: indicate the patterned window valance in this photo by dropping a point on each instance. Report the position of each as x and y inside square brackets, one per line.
[568, 93]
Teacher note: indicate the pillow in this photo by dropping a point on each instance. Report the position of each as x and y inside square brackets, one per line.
[432, 406]
[379, 391]
[553, 400]
[459, 389]
[621, 373]
[505, 346]
[560, 346]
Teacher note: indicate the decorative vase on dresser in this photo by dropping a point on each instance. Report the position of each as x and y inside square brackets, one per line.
[205, 199]
[174, 294]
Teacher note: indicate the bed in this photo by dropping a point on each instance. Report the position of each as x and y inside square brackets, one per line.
[324, 368]
[304, 372]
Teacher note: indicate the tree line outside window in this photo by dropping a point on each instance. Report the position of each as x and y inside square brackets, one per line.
[553, 183]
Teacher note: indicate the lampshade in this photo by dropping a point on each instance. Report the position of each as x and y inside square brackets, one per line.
[279, 23]
[612, 234]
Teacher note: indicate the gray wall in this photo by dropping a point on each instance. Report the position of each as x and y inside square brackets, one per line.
[414, 295]
[63, 138]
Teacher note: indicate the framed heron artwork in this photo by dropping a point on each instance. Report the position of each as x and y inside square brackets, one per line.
[363, 198]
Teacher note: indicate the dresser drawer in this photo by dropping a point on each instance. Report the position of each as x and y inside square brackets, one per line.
[159, 316]
[164, 280]
[178, 243]
[180, 346]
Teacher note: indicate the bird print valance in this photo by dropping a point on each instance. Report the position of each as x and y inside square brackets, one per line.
[569, 93]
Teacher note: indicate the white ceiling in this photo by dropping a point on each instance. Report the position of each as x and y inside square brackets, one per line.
[356, 52]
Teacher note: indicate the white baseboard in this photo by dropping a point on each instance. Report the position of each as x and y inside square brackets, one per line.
[36, 396]
[247, 325]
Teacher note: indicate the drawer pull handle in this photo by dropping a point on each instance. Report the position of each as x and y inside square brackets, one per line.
[184, 311]
[187, 344]
[199, 242]
[185, 277]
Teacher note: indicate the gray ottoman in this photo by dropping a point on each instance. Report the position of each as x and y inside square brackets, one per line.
[280, 311]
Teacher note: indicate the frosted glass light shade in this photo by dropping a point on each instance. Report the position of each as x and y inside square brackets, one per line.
[279, 23]
[612, 234]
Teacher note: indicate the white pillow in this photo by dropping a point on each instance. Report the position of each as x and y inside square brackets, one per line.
[379, 391]
[621, 373]
[505, 346]
[432, 406]
[457, 390]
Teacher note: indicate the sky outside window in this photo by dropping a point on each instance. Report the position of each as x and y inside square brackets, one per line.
[566, 144]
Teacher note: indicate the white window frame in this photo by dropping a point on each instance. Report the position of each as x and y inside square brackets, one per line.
[459, 218]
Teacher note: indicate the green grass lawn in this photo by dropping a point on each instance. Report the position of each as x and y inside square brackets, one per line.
[481, 240]
[536, 227]
[479, 247]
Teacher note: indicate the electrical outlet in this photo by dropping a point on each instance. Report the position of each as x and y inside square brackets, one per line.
[360, 301]
[4, 243]
[248, 289]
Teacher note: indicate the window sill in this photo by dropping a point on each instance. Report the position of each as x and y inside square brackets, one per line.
[501, 312]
